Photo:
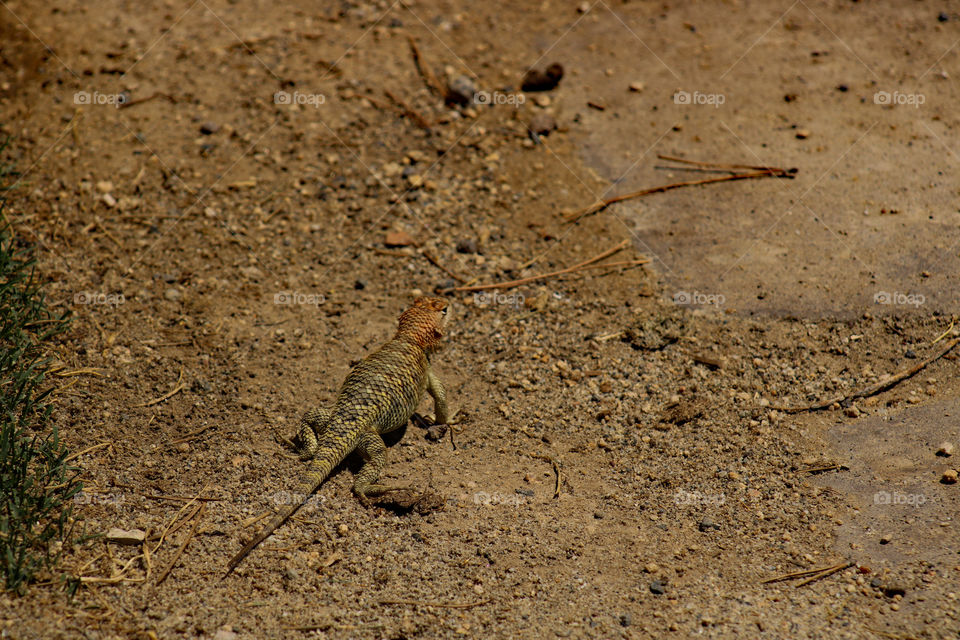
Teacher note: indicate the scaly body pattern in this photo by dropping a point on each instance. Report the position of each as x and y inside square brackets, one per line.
[379, 395]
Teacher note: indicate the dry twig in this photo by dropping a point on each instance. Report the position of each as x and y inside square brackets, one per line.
[879, 387]
[577, 267]
[429, 79]
[442, 605]
[603, 204]
[177, 389]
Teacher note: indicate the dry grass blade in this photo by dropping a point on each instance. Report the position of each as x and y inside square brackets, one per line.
[193, 530]
[577, 267]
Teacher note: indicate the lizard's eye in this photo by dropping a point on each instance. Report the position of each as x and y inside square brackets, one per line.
[444, 311]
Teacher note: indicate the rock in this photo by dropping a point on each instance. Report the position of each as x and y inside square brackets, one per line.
[706, 524]
[542, 124]
[225, 632]
[105, 186]
[886, 538]
[460, 91]
[842, 88]
[121, 536]
[894, 589]
[467, 245]
[943, 16]
[109, 200]
[209, 128]
[398, 239]
[435, 432]
[546, 80]
[251, 272]
[910, 353]
[625, 620]
[949, 476]
[173, 294]
[636, 87]
[658, 588]
[359, 285]
[851, 412]
[945, 450]
[803, 134]
[651, 567]
[415, 180]
[449, 283]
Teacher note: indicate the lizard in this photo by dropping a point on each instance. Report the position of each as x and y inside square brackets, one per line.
[379, 395]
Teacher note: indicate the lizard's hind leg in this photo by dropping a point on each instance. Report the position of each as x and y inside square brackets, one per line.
[374, 453]
[312, 426]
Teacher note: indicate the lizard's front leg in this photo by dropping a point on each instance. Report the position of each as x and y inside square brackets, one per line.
[439, 395]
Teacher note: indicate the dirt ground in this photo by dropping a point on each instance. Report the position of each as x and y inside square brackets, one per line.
[252, 219]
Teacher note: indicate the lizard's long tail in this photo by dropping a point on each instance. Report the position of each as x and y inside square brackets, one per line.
[320, 467]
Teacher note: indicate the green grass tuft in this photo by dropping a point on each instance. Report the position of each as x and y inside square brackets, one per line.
[37, 485]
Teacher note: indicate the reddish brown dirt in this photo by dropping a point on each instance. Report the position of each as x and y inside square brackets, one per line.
[215, 243]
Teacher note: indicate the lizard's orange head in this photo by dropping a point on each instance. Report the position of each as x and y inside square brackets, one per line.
[425, 322]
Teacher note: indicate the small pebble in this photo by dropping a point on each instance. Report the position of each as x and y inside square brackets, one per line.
[467, 245]
[886, 538]
[707, 524]
[172, 294]
[625, 619]
[945, 450]
[911, 354]
[542, 124]
[461, 91]
[843, 88]
[209, 128]
[949, 476]
[803, 134]
[398, 239]
[658, 588]
[651, 567]
[636, 87]
[105, 186]
[943, 16]
[360, 285]
[122, 536]
[851, 412]
[549, 78]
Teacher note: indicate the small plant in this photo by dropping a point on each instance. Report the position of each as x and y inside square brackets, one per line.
[36, 483]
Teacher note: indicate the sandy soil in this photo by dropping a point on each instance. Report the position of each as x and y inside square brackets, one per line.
[251, 224]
